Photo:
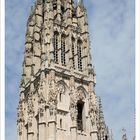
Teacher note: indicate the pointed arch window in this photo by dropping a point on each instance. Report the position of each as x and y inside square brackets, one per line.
[60, 123]
[80, 106]
[79, 53]
[55, 44]
[63, 49]
[73, 52]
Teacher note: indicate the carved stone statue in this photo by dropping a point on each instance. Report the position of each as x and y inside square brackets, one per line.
[52, 100]
[93, 110]
[80, 94]
[20, 113]
[42, 104]
[20, 128]
[53, 109]
[52, 97]
[74, 98]
[73, 107]
[61, 88]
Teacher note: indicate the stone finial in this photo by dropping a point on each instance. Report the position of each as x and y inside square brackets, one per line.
[124, 136]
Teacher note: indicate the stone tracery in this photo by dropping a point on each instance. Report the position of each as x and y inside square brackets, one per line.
[74, 98]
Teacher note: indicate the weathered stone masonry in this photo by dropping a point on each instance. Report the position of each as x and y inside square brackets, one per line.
[57, 90]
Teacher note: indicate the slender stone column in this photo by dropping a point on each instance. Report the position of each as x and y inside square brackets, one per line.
[20, 137]
[42, 123]
[52, 130]
[59, 10]
[94, 133]
[24, 135]
[42, 131]
[52, 101]
[20, 130]
[74, 133]
[30, 136]
[30, 130]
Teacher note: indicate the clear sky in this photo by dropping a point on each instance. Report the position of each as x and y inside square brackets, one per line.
[111, 27]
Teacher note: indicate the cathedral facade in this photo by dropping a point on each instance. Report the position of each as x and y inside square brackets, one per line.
[57, 90]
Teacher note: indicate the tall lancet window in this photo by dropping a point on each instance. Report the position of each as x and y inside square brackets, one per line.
[63, 53]
[79, 53]
[73, 52]
[55, 44]
[80, 106]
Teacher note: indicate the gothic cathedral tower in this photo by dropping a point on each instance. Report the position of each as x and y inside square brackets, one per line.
[57, 90]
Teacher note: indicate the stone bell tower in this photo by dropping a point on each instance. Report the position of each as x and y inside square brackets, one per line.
[57, 90]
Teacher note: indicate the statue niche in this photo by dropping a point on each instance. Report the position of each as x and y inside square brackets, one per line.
[77, 101]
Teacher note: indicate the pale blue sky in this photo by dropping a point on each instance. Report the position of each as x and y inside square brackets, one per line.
[111, 27]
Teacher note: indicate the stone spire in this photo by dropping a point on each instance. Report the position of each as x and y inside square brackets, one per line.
[102, 127]
[101, 115]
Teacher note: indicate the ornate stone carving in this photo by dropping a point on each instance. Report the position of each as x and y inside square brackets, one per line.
[93, 110]
[41, 99]
[53, 109]
[80, 94]
[42, 104]
[73, 107]
[61, 88]
[52, 96]
[37, 36]
[20, 119]
[74, 98]
[30, 110]
[52, 100]
[50, 7]
[20, 127]
[93, 114]
[28, 50]
[20, 113]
